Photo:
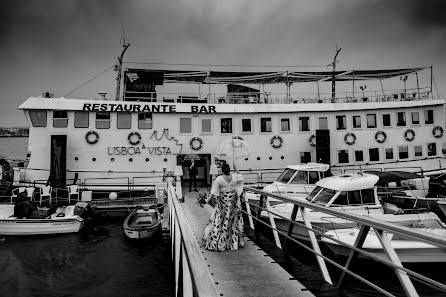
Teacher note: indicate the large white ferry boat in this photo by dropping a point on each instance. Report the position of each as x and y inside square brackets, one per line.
[145, 136]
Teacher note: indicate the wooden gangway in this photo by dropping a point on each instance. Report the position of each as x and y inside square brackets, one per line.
[246, 272]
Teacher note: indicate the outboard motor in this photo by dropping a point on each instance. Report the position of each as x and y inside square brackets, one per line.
[85, 211]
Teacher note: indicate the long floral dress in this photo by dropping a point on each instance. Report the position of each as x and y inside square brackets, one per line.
[225, 231]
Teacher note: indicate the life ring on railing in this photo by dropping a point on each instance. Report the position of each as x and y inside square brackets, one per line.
[275, 144]
[312, 140]
[380, 136]
[92, 140]
[411, 136]
[350, 138]
[193, 143]
[437, 131]
[132, 140]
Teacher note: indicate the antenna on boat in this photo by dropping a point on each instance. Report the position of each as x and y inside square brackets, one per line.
[333, 81]
[125, 43]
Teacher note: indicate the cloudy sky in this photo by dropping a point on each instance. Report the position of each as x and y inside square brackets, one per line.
[56, 46]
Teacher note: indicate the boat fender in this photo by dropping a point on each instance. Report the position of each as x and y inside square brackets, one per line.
[94, 139]
[312, 140]
[379, 138]
[276, 144]
[196, 143]
[134, 140]
[409, 135]
[437, 131]
[350, 138]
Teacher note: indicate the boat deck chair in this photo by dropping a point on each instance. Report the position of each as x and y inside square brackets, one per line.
[46, 192]
[73, 190]
[29, 193]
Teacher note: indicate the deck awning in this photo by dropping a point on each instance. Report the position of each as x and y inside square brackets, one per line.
[232, 77]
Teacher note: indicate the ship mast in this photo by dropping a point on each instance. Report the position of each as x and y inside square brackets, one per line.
[333, 80]
[125, 43]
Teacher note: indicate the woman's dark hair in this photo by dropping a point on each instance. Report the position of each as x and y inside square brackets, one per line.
[225, 169]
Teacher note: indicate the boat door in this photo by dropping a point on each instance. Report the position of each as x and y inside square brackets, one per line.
[58, 162]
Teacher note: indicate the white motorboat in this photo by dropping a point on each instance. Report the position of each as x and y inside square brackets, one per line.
[142, 223]
[296, 181]
[354, 193]
[408, 250]
[63, 220]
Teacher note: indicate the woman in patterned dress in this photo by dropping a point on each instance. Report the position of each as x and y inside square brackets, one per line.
[225, 231]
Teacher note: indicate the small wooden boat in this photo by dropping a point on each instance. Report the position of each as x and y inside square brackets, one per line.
[142, 223]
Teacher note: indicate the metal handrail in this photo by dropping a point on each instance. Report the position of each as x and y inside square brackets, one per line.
[202, 283]
[365, 222]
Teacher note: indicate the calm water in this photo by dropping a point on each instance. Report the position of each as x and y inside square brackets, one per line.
[100, 263]
[13, 148]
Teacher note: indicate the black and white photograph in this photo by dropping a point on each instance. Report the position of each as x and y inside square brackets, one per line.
[223, 148]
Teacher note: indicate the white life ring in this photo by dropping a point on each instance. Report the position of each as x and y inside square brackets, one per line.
[378, 137]
[133, 141]
[275, 144]
[350, 138]
[437, 131]
[92, 140]
[193, 143]
[409, 135]
[312, 140]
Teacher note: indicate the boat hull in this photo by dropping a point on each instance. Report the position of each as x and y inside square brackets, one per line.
[142, 223]
[39, 226]
[408, 251]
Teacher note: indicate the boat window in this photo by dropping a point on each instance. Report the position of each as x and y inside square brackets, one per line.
[185, 125]
[60, 119]
[206, 126]
[368, 196]
[374, 154]
[102, 120]
[300, 178]
[226, 125]
[342, 199]
[403, 152]
[418, 151]
[314, 177]
[389, 153]
[371, 121]
[387, 120]
[145, 120]
[432, 149]
[343, 156]
[124, 120]
[305, 157]
[265, 125]
[415, 118]
[428, 116]
[323, 123]
[359, 156]
[323, 196]
[285, 125]
[38, 118]
[81, 119]
[356, 121]
[286, 175]
[341, 123]
[246, 125]
[304, 124]
[401, 119]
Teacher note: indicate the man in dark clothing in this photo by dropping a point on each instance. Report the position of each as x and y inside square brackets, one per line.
[193, 176]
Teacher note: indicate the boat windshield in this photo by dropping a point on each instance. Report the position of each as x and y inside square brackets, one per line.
[286, 175]
[322, 196]
[358, 197]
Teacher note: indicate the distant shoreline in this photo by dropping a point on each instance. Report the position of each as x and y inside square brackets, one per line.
[4, 136]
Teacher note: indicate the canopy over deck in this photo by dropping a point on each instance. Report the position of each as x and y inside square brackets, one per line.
[231, 77]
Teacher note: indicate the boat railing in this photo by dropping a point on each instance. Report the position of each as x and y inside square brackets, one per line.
[395, 95]
[191, 273]
[406, 276]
